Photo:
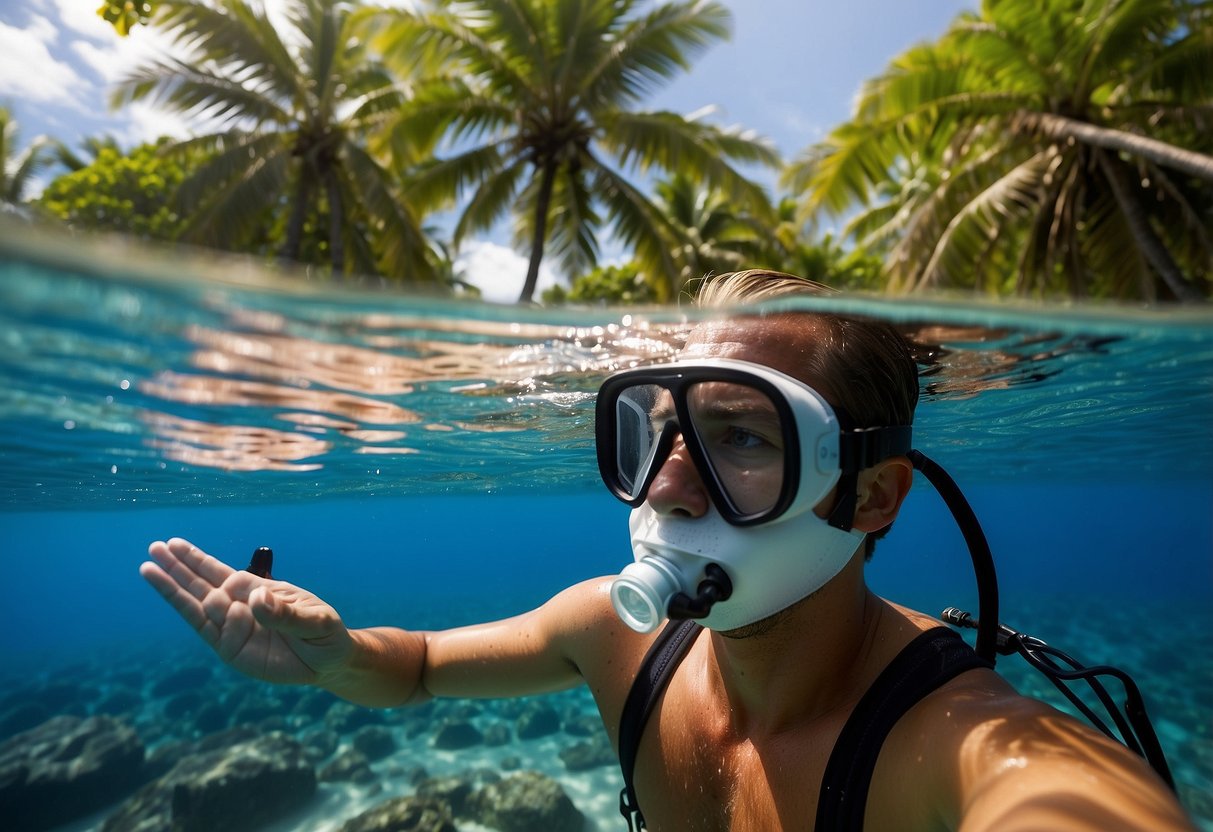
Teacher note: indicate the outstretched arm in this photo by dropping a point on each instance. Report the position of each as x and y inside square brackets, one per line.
[1025, 766]
[275, 631]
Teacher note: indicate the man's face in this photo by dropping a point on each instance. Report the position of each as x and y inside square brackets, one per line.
[739, 429]
[738, 426]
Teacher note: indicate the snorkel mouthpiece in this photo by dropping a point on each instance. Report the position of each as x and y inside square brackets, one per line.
[716, 586]
[642, 593]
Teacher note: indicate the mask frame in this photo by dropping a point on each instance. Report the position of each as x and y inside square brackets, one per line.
[820, 449]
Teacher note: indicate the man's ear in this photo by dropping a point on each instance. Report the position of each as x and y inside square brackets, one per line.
[882, 488]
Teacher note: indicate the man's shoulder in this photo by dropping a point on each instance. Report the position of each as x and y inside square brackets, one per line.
[988, 739]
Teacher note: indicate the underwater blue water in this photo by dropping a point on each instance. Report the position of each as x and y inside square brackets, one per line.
[457, 482]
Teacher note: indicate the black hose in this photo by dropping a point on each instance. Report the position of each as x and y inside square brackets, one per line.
[979, 551]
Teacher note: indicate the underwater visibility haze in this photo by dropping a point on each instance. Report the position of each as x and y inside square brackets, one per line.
[426, 463]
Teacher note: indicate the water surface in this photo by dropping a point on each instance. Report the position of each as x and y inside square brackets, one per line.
[427, 462]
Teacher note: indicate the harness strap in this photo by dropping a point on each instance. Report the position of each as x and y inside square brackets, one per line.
[931, 659]
[659, 662]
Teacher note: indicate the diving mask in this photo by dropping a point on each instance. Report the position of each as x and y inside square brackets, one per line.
[768, 448]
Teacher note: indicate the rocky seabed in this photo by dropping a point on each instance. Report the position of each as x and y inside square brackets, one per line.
[198, 749]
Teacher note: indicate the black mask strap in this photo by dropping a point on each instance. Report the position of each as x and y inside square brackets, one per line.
[860, 448]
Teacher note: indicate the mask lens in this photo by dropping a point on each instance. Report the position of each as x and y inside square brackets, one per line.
[742, 437]
[636, 434]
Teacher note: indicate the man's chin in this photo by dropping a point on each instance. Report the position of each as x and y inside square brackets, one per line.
[758, 628]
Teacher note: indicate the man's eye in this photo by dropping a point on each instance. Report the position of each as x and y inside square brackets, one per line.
[741, 438]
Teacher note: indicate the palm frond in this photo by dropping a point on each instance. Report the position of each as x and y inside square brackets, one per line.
[652, 48]
[181, 87]
[983, 218]
[640, 225]
[439, 182]
[227, 162]
[402, 244]
[495, 195]
[236, 35]
[447, 108]
[230, 209]
[671, 142]
[520, 32]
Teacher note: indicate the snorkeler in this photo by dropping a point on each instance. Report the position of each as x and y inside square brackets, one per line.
[782, 693]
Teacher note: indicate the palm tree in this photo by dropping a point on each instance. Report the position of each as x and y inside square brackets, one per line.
[708, 234]
[534, 107]
[1062, 143]
[291, 115]
[19, 167]
[92, 147]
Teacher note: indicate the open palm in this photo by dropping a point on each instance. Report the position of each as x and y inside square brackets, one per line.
[267, 629]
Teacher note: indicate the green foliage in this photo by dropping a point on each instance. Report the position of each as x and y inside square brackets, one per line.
[610, 285]
[288, 160]
[706, 233]
[18, 167]
[125, 15]
[537, 98]
[827, 262]
[1044, 147]
[130, 193]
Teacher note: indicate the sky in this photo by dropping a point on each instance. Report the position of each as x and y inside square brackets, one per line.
[789, 72]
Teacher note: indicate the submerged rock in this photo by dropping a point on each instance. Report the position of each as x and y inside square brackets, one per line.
[345, 718]
[320, 744]
[232, 789]
[457, 734]
[186, 679]
[588, 754]
[23, 717]
[404, 814]
[539, 720]
[66, 768]
[497, 734]
[525, 802]
[374, 741]
[454, 791]
[351, 765]
[119, 702]
[583, 725]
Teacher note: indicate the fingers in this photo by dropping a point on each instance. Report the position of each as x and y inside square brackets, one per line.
[192, 583]
[191, 567]
[186, 605]
[285, 617]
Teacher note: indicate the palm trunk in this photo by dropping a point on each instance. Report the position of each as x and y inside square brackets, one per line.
[544, 200]
[294, 226]
[1151, 247]
[336, 223]
[1161, 153]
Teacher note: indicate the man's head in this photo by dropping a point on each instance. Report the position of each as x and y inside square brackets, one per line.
[745, 452]
[862, 366]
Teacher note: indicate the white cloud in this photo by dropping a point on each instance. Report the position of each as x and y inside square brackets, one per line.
[146, 123]
[498, 271]
[28, 69]
[80, 16]
[100, 59]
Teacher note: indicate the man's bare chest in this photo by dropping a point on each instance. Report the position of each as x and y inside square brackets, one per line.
[695, 770]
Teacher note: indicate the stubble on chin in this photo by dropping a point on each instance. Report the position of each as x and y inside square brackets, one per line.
[758, 628]
[764, 626]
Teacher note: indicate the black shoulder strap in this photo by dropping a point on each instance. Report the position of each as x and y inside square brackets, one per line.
[664, 655]
[931, 659]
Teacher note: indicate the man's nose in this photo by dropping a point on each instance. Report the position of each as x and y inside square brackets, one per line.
[677, 489]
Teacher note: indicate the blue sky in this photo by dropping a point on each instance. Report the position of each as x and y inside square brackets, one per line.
[789, 73]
